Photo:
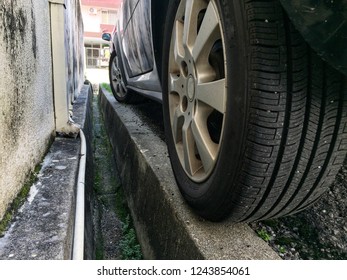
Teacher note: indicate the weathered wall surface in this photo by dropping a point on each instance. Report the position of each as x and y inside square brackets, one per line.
[27, 120]
[26, 106]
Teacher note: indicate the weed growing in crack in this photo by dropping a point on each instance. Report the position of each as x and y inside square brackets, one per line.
[130, 249]
[263, 234]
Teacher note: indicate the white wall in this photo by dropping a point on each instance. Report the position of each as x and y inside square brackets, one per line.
[91, 21]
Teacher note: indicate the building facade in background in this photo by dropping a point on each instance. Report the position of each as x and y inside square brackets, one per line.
[99, 16]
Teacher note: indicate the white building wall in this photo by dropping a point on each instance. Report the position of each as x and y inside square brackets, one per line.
[92, 21]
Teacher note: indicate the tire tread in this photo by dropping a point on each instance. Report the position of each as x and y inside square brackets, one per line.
[297, 120]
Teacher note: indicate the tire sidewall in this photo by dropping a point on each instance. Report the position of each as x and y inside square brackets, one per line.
[220, 188]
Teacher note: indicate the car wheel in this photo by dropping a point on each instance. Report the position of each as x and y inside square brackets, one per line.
[118, 84]
[255, 122]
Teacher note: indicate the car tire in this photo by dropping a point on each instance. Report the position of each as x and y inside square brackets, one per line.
[118, 83]
[255, 122]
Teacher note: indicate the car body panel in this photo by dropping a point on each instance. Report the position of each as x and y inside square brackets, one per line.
[133, 40]
[323, 24]
[136, 39]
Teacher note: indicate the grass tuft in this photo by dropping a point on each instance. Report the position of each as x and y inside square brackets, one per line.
[129, 245]
[106, 86]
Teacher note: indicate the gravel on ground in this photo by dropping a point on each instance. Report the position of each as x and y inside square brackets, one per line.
[319, 232]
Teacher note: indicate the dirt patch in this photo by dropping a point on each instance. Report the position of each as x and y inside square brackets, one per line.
[319, 232]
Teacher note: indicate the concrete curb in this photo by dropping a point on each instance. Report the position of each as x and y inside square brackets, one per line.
[166, 227]
[43, 228]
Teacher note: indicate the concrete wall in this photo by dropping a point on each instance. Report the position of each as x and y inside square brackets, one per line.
[26, 106]
[74, 46]
[27, 113]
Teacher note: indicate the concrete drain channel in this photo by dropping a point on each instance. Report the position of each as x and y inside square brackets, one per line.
[166, 227]
[114, 234]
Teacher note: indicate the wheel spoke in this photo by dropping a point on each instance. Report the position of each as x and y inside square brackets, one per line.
[178, 43]
[208, 34]
[114, 72]
[177, 123]
[176, 83]
[190, 161]
[206, 148]
[213, 94]
[121, 91]
[192, 9]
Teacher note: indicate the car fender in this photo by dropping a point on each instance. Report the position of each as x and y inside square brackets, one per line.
[323, 25]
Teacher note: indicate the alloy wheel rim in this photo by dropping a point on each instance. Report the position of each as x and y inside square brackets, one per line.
[117, 80]
[197, 87]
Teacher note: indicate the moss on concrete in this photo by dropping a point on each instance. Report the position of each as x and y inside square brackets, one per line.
[24, 192]
[130, 248]
[111, 202]
[18, 201]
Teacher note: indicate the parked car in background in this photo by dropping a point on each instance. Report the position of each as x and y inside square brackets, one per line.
[253, 92]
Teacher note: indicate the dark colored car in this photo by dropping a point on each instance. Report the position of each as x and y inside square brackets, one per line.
[253, 92]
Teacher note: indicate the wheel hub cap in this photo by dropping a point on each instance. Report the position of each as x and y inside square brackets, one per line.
[191, 88]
